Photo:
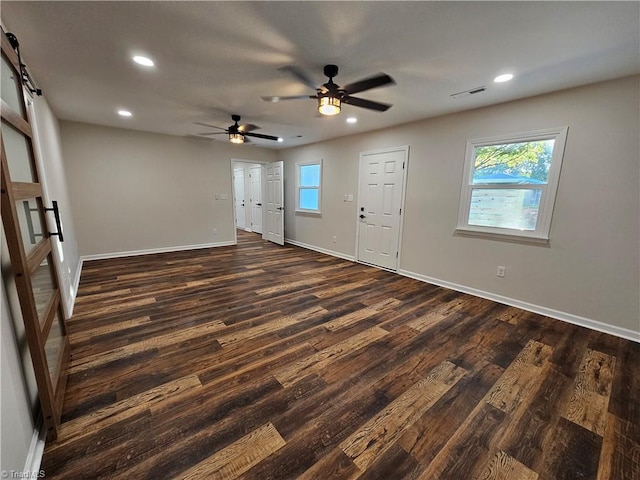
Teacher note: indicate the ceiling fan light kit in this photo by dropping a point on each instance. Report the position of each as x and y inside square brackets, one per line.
[238, 133]
[331, 96]
[329, 105]
[236, 138]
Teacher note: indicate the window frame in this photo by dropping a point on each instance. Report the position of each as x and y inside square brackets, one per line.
[300, 187]
[548, 190]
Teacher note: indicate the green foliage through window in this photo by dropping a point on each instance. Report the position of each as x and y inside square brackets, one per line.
[525, 162]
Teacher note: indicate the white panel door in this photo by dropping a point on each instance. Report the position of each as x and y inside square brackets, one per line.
[379, 206]
[238, 200]
[275, 203]
[255, 198]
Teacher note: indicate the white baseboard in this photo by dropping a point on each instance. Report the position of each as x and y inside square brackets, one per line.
[75, 284]
[320, 250]
[548, 312]
[36, 452]
[150, 251]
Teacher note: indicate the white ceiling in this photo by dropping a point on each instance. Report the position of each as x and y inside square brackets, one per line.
[218, 58]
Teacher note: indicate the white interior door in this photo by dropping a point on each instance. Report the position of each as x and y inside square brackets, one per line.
[275, 203]
[255, 198]
[379, 206]
[238, 192]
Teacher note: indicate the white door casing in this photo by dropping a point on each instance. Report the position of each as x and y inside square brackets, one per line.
[238, 199]
[380, 201]
[275, 203]
[255, 198]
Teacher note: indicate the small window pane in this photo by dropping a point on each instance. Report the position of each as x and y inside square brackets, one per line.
[309, 198]
[18, 151]
[11, 88]
[43, 286]
[505, 208]
[30, 223]
[53, 348]
[310, 175]
[523, 162]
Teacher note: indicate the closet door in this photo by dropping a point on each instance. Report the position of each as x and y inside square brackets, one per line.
[30, 245]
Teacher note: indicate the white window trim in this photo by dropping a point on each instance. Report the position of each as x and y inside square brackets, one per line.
[545, 212]
[298, 187]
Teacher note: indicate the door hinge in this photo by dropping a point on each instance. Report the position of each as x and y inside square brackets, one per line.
[400, 211]
[397, 254]
[403, 165]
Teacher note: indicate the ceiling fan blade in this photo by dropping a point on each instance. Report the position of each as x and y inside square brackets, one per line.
[248, 127]
[361, 102]
[300, 75]
[293, 97]
[368, 83]
[208, 125]
[260, 135]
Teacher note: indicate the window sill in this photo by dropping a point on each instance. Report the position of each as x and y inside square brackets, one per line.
[505, 237]
[309, 212]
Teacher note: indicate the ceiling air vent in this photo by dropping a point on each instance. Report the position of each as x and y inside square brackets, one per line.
[466, 93]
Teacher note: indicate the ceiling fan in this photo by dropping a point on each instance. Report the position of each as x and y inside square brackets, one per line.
[330, 96]
[238, 133]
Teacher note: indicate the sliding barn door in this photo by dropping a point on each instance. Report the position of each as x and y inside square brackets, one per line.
[30, 245]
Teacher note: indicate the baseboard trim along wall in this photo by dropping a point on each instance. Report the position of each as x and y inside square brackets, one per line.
[321, 250]
[150, 251]
[548, 312]
[36, 452]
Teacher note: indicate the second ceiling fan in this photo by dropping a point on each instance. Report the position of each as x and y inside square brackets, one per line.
[330, 96]
[238, 133]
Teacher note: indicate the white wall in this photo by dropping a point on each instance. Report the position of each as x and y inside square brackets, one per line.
[588, 273]
[134, 191]
[51, 162]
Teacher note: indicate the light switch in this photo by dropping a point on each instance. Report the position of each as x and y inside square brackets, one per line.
[224, 196]
[350, 197]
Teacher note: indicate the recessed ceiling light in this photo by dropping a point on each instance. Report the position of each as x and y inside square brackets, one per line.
[145, 61]
[124, 113]
[280, 139]
[352, 120]
[503, 78]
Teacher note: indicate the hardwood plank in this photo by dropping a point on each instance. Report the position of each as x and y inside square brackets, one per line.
[232, 461]
[156, 342]
[504, 467]
[620, 454]
[168, 393]
[290, 374]
[379, 433]
[571, 452]
[519, 380]
[592, 388]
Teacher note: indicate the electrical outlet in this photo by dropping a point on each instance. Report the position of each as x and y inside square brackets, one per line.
[334, 239]
[215, 231]
[501, 271]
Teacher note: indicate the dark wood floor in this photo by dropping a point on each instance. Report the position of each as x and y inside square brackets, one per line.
[266, 362]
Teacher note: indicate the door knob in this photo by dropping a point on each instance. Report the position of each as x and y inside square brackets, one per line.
[363, 216]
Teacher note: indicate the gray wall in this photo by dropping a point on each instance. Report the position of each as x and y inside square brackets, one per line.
[134, 191]
[589, 272]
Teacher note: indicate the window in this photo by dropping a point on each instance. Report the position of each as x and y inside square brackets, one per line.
[308, 185]
[509, 185]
